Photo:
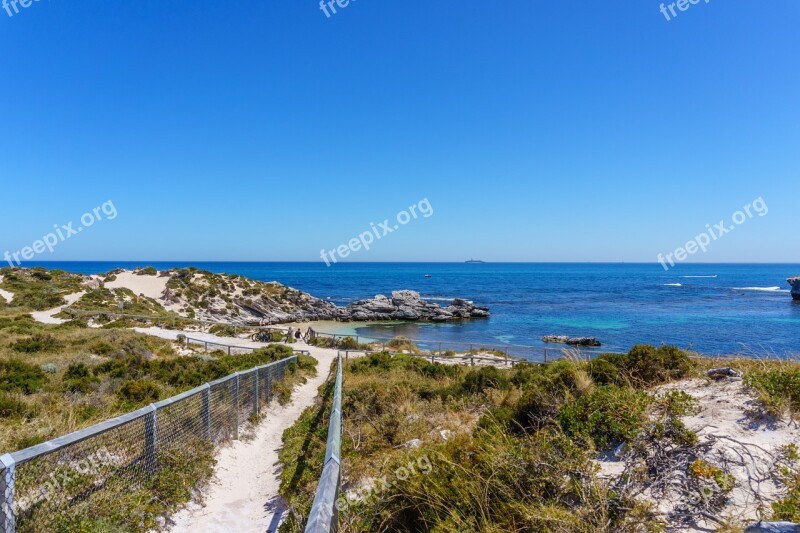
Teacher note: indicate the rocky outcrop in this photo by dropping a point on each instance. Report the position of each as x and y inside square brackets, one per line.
[795, 283]
[773, 527]
[407, 305]
[572, 341]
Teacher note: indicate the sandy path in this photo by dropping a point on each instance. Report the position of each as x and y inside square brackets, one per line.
[46, 317]
[243, 495]
[5, 294]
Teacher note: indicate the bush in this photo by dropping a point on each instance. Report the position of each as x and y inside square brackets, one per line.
[17, 376]
[78, 378]
[222, 330]
[348, 343]
[778, 389]
[476, 381]
[39, 342]
[607, 416]
[139, 391]
[642, 366]
[11, 408]
[148, 271]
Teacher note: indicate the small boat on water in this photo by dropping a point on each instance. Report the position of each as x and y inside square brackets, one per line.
[428, 276]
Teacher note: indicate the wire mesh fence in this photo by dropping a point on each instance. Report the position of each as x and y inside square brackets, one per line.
[56, 484]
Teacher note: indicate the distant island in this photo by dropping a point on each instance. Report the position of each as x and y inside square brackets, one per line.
[475, 261]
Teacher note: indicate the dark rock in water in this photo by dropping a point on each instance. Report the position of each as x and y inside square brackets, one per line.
[572, 341]
[407, 305]
[795, 283]
[773, 527]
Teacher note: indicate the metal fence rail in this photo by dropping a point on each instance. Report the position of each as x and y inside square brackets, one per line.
[232, 347]
[324, 516]
[44, 487]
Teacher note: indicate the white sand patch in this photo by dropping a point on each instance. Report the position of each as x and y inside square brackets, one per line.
[243, 495]
[46, 317]
[732, 435]
[5, 294]
[151, 286]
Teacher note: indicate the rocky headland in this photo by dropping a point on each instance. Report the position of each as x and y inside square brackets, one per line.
[795, 283]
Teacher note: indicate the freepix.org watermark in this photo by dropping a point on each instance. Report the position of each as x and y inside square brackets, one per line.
[413, 468]
[329, 6]
[681, 5]
[8, 5]
[714, 233]
[377, 232]
[62, 233]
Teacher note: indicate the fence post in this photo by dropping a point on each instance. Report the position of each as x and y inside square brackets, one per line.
[269, 385]
[151, 439]
[236, 407]
[8, 511]
[229, 350]
[255, 392]
[206, 411]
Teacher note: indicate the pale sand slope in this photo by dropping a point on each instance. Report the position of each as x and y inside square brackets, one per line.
[46, 317]
[5, 294]
[243, 495]
[150, 286]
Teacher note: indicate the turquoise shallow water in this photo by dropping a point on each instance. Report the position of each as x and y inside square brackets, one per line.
[711, 308]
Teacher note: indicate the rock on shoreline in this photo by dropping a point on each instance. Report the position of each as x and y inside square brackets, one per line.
[572, 341]
[407, 305]
[795, 283]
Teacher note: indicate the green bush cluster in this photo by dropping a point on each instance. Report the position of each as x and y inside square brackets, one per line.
[38, 342]
[606, 417]
[18, 376]
[778, 389]
[642, 366]
[13, 408]
[223, 330]
[39, 289]
[78, 378]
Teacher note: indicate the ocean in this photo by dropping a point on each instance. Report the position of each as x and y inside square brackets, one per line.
[714, 309]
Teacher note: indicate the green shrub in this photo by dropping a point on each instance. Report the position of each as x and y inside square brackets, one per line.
[12, 408]
[222, 330]
[49, 368]
[78, 378]
[40, 342]
[139, 391]
[607, 416]
[642, 366]
[476, 381]
[778, 389]
[149, 271]
[348, 343]
[18, 376]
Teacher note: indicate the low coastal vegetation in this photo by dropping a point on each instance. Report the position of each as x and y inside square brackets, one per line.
[56, 379]
[37, 288]
[430, 447]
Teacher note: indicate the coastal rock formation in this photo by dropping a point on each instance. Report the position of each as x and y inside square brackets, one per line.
[238, 300]
[572, 341]
[795, 283]
[407, 305]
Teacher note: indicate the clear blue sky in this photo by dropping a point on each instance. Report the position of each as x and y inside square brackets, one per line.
[262, 130]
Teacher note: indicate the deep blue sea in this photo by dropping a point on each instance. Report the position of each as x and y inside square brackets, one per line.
[711, 308]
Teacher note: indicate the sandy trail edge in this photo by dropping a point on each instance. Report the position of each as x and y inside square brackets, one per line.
[8, 296]
[46, 317]
[243, 495]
